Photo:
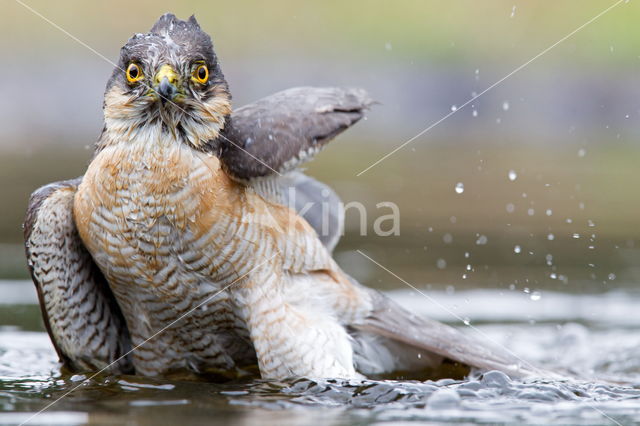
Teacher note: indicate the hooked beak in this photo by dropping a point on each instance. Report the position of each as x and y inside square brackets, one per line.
[165, 82]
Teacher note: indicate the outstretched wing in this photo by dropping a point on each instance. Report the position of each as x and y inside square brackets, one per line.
[80, 313]
[282, 131]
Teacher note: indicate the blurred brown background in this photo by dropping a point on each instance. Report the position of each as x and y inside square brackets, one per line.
[567, 124]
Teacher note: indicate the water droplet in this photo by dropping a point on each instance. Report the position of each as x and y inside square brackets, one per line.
[549, 212]
[469, 267]
[626, 116]
[553, 276]
[454, 108]
[505, 106]
[474, 113]
[590, 223]
[512, 175]
[535, 296]
[453, 219]
[466, 321]
[576, 235]
[466, 254]
[517, 249]
[569, 220]
[482, 240]
[510, 208]
[582, 152]
[447, 238]
[531, 212]
[612, 276]
[441, 263]
[388, 46]
[551, 237]
[459, 188]
[513, 11]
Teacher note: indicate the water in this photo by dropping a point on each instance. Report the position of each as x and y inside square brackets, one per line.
[596, 336]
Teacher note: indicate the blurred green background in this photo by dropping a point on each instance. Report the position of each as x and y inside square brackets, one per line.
[566, 125]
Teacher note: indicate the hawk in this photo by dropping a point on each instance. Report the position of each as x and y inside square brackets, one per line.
[179, 240]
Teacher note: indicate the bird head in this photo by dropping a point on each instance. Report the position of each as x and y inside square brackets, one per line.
[167, 82]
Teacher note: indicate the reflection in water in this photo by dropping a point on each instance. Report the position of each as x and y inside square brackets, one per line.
[602, 346]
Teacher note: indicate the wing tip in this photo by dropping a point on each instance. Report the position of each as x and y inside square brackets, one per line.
[362, 96]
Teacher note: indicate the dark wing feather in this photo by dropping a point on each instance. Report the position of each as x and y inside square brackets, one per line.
[391, 321]
[282, 131]
[80, 313]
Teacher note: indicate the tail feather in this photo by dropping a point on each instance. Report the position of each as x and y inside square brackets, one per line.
[390, 321]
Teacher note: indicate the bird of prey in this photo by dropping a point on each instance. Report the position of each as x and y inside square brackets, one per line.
[179, 240]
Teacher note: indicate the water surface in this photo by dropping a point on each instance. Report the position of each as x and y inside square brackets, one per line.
[596, 336]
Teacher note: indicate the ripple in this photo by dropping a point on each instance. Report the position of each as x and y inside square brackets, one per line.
[602, 351]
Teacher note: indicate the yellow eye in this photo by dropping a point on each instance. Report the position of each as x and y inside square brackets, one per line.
[201, 74]
[134, 73]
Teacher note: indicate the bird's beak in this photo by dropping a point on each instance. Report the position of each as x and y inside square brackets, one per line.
[164, 83]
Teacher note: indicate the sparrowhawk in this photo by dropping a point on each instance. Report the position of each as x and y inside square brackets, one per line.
[186, 199]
